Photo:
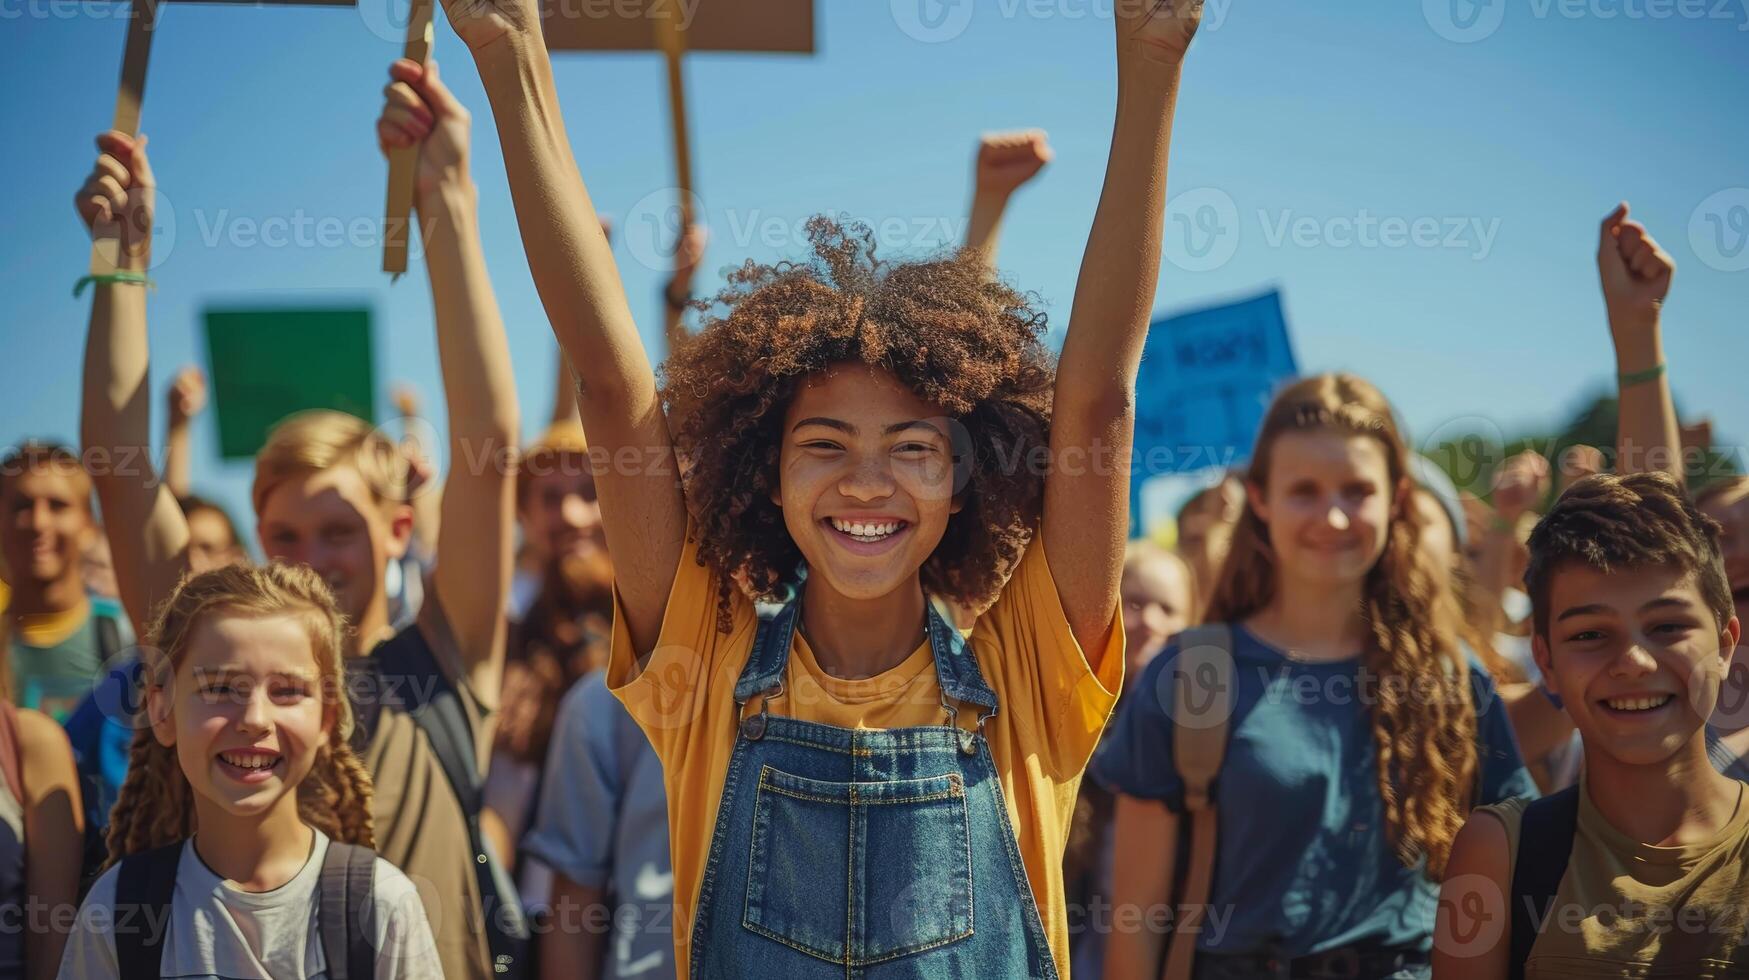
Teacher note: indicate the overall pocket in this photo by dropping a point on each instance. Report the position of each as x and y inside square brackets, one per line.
[860, 872]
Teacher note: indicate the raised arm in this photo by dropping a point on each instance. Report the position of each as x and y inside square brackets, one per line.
[1005, 162]
[1636, 277]
[474, 559]
[187, 399]
[1086, 506]
[148, 536]
[643, 512]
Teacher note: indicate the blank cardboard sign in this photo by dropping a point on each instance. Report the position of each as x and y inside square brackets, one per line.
[265, 364]
[708, 25]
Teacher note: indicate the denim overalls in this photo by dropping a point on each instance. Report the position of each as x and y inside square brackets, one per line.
[868, 854]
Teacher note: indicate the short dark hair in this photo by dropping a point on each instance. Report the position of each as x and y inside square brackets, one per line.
[1611, 523]
[33, 454]
[192, 503]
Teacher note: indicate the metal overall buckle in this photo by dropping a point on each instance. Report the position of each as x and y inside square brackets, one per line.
[967, 746]
[753, 728]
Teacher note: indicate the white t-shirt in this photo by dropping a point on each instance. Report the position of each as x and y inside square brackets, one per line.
[220, 932]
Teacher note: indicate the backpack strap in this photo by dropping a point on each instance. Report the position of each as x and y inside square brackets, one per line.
[429, 698]
[1202, 704]
[108, 636]
[145, 888]
[348, 911]
[1545, 843]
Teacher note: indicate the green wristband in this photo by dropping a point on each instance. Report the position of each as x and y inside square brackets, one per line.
[118, 278]
[1632, 378]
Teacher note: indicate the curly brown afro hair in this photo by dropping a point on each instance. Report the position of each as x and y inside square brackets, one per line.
[944, 326]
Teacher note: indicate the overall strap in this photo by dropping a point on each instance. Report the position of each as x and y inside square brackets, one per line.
[145, 888]
[348, 911]
[1545, 843]
[955, 664]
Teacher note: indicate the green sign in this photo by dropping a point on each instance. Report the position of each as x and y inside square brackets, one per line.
[267, 364]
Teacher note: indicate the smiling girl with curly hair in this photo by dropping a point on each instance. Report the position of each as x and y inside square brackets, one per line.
[855, 787]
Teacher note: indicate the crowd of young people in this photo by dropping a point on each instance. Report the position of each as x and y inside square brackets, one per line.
[836, 682]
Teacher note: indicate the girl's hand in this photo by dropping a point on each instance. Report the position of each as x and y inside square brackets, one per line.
[421, 111]
[482, 23]
[1155, 30]
[116, 201]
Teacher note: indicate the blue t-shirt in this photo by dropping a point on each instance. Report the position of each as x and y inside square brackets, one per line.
[1303, 862]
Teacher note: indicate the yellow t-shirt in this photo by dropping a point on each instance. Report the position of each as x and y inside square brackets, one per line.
[1054, 705]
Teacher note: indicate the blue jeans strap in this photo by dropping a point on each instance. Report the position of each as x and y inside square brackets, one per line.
[955, 666]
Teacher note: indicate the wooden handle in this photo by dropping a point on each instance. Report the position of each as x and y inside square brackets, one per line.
[142, 22]
[672, 40]
[404, 162]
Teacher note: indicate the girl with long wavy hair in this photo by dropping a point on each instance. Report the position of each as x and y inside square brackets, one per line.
[241, 784]
[1360, 734]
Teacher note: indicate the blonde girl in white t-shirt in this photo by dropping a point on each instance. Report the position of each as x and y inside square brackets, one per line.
[243, 799]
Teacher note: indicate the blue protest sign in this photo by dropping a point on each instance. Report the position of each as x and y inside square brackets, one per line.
[1207, 377]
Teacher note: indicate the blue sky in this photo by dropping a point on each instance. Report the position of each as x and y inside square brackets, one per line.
[1510, 126]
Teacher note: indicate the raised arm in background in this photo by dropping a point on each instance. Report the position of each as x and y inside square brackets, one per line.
[474, 560]
[643, 512]
[187, 398]
[1636, 276]
[1005, 162]
[148, 536]
[678, 292]
[1086, 496]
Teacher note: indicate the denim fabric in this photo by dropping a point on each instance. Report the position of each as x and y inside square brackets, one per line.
[860, 853]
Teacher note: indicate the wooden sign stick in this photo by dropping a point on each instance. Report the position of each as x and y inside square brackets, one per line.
[142, 21]
[404, 162]
[672, 40]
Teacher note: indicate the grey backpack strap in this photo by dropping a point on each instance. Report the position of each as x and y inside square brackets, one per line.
[348, 911]
[1202, 703]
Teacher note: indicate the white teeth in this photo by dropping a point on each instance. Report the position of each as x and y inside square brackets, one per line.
[250, 761]
[867, 531]
[1638, 704]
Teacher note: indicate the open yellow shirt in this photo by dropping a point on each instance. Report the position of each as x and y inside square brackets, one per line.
[1054, 705]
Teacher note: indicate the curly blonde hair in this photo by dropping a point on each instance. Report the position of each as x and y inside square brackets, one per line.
[1423, 717]
[156, 805]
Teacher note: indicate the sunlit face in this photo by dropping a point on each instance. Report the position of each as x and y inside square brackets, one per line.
[866, 479]
[210, 542]
[1156, 606]
[47, 526]
[560, 515]
[246, 713]
[1328, 506]
[1636, 657]
[1731, 510]
[331, 522]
